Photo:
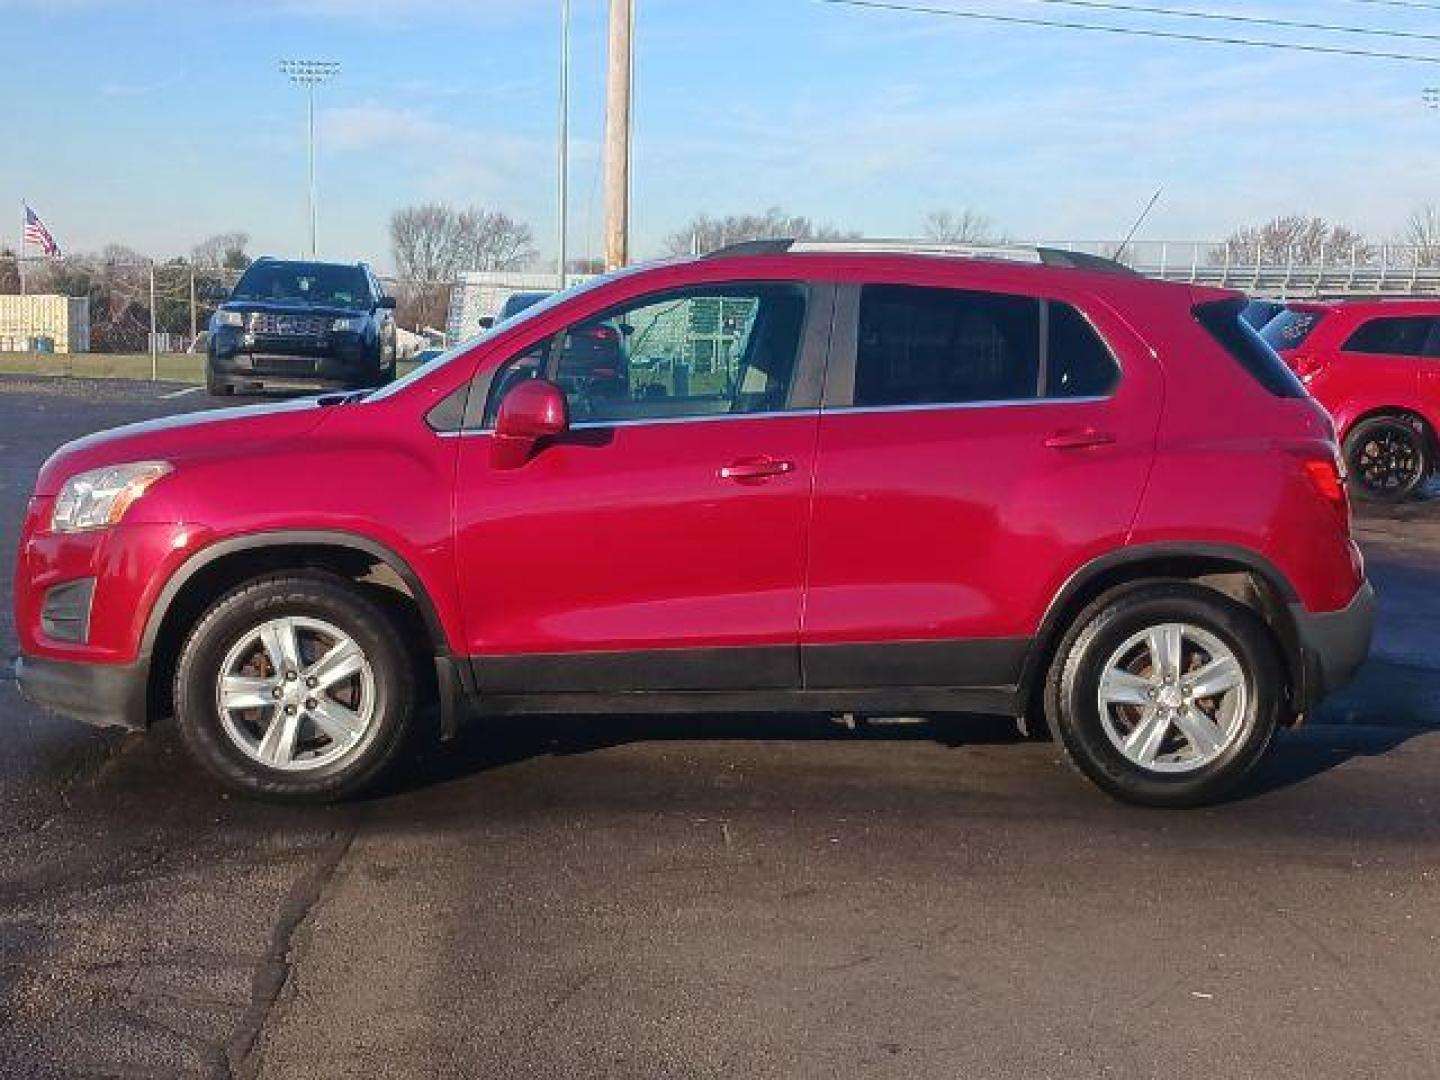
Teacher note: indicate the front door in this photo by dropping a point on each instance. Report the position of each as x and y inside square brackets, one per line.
[975, 448]
[660, 543]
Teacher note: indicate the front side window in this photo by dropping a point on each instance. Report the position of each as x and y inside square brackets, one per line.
[1391, 337]
[924, 346]
[709, 351]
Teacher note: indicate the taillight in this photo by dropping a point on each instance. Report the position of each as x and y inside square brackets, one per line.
[1327, 477]
[1306, 365]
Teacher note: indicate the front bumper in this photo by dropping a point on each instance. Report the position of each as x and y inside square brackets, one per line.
[102, 695]
[335, 359]
[1333, 645]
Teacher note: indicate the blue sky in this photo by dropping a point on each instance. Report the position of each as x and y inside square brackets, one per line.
[155, 124]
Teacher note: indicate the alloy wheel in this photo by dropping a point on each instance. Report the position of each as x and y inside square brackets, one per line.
[296, 694]
[1173, 698]
[1389, 460]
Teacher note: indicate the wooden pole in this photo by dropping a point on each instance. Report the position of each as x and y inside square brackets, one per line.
[617, 136]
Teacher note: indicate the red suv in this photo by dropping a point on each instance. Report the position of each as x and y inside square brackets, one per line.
[839, 479]
[1375, 365]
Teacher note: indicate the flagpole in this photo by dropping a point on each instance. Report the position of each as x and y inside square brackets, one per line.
[20, 259]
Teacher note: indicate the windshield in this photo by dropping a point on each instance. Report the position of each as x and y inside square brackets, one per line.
[518, 303]
[536, 311]
[304, 283]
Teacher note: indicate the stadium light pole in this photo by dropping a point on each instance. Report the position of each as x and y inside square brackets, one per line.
[310, 74]
[564, 192]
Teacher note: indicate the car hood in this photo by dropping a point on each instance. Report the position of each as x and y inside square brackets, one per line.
[181, 438]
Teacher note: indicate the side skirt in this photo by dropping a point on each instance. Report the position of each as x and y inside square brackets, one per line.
[989, 700]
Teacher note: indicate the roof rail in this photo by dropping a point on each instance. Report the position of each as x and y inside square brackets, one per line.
[1038, 256]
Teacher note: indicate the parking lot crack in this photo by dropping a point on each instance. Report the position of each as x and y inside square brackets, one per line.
[273, 970]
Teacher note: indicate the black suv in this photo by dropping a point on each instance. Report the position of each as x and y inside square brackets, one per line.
[302, 325]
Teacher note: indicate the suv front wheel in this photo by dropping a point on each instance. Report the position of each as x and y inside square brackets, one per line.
[294, 687]
[1166, 695]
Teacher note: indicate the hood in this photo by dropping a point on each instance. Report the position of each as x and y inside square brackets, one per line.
[183, 438]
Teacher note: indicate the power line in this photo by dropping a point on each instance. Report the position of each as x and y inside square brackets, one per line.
[1246, 20]
[1413, 5]
[1123, 31]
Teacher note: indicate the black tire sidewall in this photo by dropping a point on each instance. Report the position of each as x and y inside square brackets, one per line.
[1075, 712]
[316, 596]
[1368, 429]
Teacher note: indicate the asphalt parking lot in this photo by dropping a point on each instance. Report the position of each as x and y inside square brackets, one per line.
[676, 897]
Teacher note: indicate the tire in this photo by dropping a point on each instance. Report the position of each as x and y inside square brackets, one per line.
[344, 733]
[1182, 771]
[217, 387]
[1389, 457]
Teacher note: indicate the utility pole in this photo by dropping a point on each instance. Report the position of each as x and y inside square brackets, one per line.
[309, 74]
[564, 193]
[617, 134]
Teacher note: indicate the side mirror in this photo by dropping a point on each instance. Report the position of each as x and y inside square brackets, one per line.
[215, 294]
[627, 329]
[487, 323]
[386, 302]
[532, 411]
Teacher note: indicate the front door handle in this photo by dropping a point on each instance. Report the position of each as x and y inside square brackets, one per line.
[756, 469]
[1079, 439]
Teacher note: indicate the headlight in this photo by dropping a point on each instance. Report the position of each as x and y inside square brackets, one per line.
[99, 498]
[230, 318]
[353, 326]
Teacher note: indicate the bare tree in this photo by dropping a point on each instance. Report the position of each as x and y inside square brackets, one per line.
[9, 272]
[962, 227]
[1422, 231]
[434, 243]
[223, 251]
[705, 233]
[1294, 238]
[493, 240]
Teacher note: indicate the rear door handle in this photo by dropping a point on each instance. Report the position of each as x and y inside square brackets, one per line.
[1079, 439]
[756, 469]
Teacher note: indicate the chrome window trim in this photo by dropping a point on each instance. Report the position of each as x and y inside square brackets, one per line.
[948, 406]
[654, 421]
[845, 410]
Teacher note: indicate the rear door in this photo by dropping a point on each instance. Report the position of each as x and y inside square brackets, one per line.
[1379, 367]
[1429, 377]
[975, 448]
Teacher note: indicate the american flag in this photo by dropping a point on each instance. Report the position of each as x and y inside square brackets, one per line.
[36, 233]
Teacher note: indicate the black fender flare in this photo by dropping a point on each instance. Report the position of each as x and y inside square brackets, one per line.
[231, 545]
[1051, 626]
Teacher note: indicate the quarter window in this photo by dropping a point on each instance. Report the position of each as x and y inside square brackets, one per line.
[718, 350]
[1391, 337]
[920, 346]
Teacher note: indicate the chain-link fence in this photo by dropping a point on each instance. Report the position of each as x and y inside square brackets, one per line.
[84, 304]
[161, 310]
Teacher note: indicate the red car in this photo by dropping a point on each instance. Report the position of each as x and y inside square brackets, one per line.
[1375, 365]
[840, 479]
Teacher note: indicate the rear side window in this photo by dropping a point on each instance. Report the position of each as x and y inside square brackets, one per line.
[920, 346]
[1225, 320]
[1079, 363]
[1290, 329]
[1391, 337]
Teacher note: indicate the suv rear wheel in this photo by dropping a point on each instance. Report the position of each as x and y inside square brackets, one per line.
[294, 687]
[1389, 457]
[1166, 695]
